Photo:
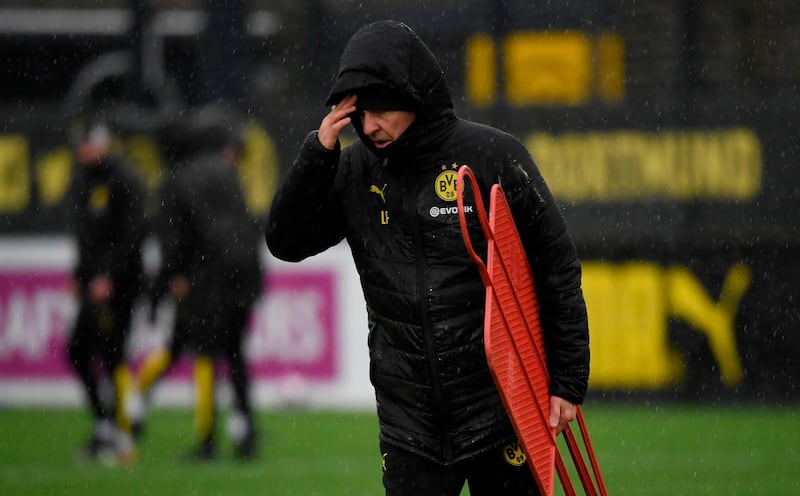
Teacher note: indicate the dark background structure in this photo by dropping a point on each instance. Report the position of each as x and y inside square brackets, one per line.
[690, 66]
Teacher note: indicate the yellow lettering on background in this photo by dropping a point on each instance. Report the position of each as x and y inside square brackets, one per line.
[610, 57]
[630, 306]
[481, 70]
[636, 165]
[15, 180]
[258, 169]
[689, 301]
[628, 324]
[547, 67]
[53, 171]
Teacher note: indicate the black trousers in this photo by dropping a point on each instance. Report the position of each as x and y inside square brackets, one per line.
[500, 471]
[216, 331]
[97, 346]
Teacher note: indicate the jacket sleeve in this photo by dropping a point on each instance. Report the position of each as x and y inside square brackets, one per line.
[76, 208]
[174, 232]
[131, 217]
[304, 219]
[556, 269]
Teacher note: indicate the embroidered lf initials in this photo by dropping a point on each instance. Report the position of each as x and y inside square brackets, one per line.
[384, 216]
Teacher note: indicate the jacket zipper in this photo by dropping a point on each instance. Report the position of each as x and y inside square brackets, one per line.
[427, 330]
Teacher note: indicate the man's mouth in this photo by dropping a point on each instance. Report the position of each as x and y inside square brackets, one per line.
[382, 143]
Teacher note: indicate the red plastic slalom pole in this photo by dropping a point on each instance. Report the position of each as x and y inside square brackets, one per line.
[515, 346]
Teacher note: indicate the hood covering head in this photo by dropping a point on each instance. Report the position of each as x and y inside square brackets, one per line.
[384, 98]
[200, 130]
[90, 130]
[390, 68]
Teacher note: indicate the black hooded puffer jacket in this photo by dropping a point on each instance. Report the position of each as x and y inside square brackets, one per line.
[396, 207]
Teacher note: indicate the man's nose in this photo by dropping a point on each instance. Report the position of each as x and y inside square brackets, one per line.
[368, 122]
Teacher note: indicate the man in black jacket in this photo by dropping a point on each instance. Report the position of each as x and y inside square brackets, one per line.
[109, 226]
[390, 195]
[210, 268]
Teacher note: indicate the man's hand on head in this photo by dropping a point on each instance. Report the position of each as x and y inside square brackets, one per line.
[333, 123]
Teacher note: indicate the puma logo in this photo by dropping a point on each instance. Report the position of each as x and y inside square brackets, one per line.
[379, 192]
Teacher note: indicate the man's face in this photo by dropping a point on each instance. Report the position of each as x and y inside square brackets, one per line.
[89, 153]
[385, 126]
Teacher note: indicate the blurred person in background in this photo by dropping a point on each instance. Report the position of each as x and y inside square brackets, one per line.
[108, 220]
[210, 269]
[441, 420]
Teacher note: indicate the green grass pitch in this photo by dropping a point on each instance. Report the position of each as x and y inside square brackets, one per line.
[642, 450]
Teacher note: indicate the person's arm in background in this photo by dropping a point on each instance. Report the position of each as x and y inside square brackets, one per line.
[303, 220]
[174, 232]
[74, 205]
[132, 221]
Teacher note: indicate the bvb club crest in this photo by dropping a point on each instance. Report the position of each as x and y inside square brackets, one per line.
[445, 184]
[514, 455]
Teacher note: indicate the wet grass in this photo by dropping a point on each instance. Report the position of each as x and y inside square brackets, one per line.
[645, 450]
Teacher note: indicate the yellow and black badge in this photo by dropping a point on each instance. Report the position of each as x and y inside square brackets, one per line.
[513, 454]
[445, 183]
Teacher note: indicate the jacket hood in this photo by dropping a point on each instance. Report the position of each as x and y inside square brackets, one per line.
[389, 55]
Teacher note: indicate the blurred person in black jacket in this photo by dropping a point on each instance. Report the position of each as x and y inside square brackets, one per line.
[210, 268]
[108, 221]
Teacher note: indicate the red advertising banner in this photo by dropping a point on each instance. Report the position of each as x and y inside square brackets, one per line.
[291, 332]
[36, 313]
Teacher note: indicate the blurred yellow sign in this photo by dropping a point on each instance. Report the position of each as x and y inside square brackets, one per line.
[630, 306]
[640, 165]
